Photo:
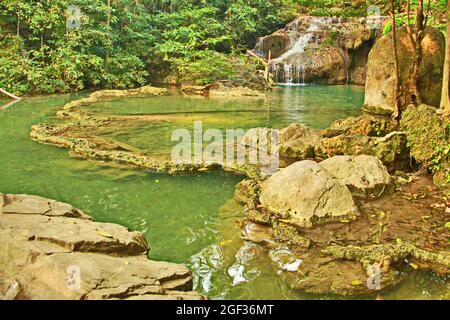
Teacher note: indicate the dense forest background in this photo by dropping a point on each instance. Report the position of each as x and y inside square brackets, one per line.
[126, 43]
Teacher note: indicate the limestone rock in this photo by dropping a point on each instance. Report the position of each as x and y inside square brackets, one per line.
[257, 138]
[142, 91]
[304, 193]
[380, 76]
[391, 149]
[219, 90]
[49, 255]
[363, 125]
[246, 192]
[429, 140]
[78, 234]
[26, 204]
[318, 50]
[365, 176]
[299, 142]
[194, 90]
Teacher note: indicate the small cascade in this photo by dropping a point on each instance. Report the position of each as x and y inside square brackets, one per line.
[292, 62]
[288, 73]
[293, 49]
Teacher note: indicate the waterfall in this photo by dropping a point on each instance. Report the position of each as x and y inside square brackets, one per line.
[259, 48]
[292, 61]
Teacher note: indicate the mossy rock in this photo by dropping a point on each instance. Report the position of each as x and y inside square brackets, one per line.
[428, 135]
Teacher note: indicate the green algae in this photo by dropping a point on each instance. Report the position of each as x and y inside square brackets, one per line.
[389, 253]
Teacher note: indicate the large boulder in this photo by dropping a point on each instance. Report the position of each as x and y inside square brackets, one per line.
[429, 140]
[305, 194]
[51, 250]
[365, 176]
[380, 81]
[299, 142]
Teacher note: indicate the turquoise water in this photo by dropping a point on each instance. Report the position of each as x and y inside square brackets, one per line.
[187, 219]
[314, 106]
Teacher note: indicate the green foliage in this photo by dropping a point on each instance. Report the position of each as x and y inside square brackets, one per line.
[340, 8]
[203, 67]
[198, 40]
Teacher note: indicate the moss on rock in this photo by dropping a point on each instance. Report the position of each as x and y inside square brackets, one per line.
[428, 135]
[389, 253]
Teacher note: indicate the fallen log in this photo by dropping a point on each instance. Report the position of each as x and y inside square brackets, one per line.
[254, 55]
[8, 104]
[9, 94]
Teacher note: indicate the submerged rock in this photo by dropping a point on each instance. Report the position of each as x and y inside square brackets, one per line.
[305, 194]
[51, 250]
[221, 90]
[365, 176]
[380, 82]
[429, 140]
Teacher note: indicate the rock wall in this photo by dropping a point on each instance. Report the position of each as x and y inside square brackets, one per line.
[51, 250]
[380, 82]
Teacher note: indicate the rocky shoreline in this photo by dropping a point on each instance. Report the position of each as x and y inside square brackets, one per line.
[43, 241]
[298, 218]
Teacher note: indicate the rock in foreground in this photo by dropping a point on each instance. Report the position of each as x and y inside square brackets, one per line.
[51, 250]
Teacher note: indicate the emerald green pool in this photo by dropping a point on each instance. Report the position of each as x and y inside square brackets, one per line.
[187, 219]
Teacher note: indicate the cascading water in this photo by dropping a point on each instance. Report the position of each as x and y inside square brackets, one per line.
[293, 61]
[291, 67]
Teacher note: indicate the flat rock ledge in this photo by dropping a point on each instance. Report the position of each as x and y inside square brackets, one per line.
[51, 250]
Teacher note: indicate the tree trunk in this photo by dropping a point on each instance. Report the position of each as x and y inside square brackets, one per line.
[416, 38]
[108, 28]
[397, 111]
[445, 99]
[9, 94]
[42, 39]
[18, 26]
[419, 27]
